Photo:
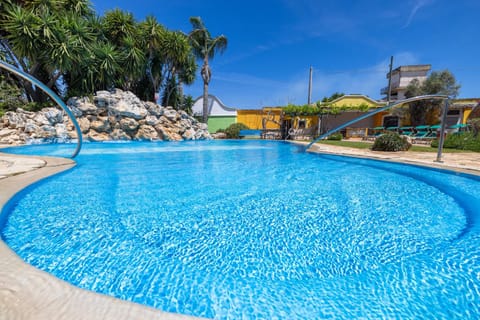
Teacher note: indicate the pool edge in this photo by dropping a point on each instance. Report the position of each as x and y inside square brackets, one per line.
[423, 159]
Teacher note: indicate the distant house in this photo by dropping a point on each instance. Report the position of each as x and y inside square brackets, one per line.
[353, 103]
[219, 115]
[461, 109]
[402, 76]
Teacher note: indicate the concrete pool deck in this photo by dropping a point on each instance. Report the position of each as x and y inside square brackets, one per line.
[29, 293]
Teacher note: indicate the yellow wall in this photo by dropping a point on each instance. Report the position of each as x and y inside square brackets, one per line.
[354, 101]
[254, 118]
[272, 117]
[466, 114]
[310, 121]
[251, 118]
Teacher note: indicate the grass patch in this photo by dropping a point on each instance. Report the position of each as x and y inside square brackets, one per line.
[368, 145]
[345, 143]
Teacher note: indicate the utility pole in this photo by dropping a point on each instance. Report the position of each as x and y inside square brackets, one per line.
[390, 81]
[310, 87]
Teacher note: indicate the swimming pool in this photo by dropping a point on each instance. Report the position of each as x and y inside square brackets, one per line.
[255, 229]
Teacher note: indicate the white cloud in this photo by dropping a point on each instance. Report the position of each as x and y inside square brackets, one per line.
[417, 5]
[252, 91]
[367, 81]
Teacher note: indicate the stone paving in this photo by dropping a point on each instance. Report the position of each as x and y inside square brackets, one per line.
[12, 165]
[468, 162]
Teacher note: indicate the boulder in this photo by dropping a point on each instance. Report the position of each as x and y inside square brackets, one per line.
[146, 132]
[47, 131]
[102, 124]
[7, 132]
[118, 134]
[84, 124]
[88, 108]
[53, 115]
[154, 109]
[61, 132]
[124, 109]
[128, 124]
[189, 134]
[219, 135]
[113, 115]
[40, 119]
[30, 127]
[171, 114]
[151, 120]
[97, 136]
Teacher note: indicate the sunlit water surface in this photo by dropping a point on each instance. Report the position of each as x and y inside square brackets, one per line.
[254, 229]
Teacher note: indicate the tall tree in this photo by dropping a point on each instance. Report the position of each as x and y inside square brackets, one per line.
[44, 39]
[152, 33]
[442, 82]
[205, 47]
[179, 66]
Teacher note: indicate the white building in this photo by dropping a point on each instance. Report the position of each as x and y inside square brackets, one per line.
[219, 115]
[402, 76]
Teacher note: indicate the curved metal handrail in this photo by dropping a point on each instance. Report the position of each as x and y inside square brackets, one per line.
[52, 95]
[369, 114]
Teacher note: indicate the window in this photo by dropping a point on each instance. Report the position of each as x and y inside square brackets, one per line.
[302, 123]
[390, 121]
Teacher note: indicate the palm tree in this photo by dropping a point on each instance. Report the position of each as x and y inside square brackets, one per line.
[179, 65]
[44, 39]
[152, 33]
[204, 48]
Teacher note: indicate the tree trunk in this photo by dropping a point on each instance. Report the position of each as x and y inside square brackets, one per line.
[205, 103]
[206, 74]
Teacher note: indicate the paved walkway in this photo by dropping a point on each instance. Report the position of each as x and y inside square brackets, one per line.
[12, 165]
[468, 162]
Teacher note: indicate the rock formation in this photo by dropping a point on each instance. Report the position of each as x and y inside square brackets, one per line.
[117, 115]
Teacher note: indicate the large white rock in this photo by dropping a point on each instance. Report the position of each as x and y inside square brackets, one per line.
[146, 132]
[116, 115]
[128, 124]
[53, 115]
[123, 108]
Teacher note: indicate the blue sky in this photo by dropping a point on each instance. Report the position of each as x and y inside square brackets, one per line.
[273, 43]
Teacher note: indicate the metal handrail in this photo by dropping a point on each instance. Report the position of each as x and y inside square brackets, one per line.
[52, 95]
[389, 106]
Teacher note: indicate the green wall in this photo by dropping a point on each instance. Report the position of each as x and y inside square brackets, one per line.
[220, 122]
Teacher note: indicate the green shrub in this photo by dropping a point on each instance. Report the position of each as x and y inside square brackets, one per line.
[391, 142]
[233, 130]
[335, 136]
[460, 141]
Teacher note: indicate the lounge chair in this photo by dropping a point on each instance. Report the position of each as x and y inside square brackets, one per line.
[374, 133]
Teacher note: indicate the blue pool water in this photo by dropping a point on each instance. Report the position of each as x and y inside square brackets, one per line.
[255, 229]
